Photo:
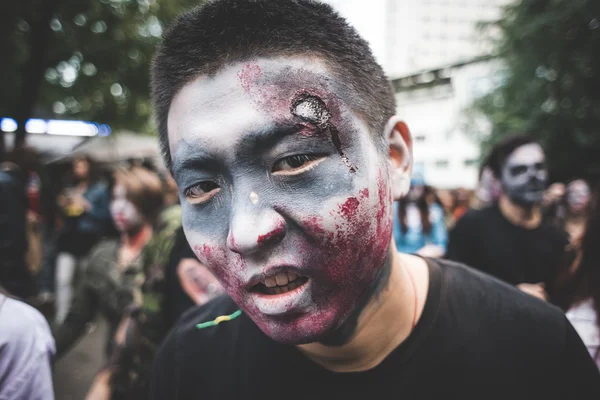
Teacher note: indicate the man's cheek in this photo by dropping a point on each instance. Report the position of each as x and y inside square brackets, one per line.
[222, 266]
[355, 231]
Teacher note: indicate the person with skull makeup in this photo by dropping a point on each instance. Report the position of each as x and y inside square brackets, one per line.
[571, 210]
[577, 289]
[510, 239]
[279, 128]
[113, 273]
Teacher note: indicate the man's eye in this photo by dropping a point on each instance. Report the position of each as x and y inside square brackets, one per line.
[201, 192]
[518, 170]
[296, 164]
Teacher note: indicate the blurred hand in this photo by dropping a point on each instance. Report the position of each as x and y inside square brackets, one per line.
[100, 389]
[123, 331]
[554, 193]
[32, 217]
[534, 289]
[197, 281]
[81, 202]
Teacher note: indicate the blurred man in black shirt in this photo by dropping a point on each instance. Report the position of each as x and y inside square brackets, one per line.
[510, 240]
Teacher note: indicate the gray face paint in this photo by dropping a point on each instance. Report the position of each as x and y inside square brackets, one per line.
[524, 175]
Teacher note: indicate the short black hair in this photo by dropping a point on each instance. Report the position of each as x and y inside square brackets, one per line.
[504, 148]
[220, 32]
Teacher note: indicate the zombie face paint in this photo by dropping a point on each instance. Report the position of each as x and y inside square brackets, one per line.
[124, 213]
[285, 193]
[578, 196]
[524, 175]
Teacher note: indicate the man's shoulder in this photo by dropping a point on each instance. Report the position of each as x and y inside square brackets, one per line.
[24, 332]
[476, 215]
[499, 307]
[203, 328]
[474, 221]
[200, 349]
[220, 306]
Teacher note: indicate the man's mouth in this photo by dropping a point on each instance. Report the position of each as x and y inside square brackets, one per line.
[282, 282]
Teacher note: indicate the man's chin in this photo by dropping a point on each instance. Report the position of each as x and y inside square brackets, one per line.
[295, 331]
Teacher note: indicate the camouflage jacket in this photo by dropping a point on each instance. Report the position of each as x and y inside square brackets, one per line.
[104, 288]
[131, 361]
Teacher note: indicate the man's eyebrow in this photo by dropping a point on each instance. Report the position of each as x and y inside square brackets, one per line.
[260, 141]
[194, 157]
[190, 157]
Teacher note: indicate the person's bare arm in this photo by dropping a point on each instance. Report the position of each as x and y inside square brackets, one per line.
[534, 289]
[197, 281]
[100, 389]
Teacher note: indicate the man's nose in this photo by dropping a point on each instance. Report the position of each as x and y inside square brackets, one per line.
[254, 227]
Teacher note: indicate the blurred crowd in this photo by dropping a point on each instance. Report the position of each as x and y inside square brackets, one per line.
[83, 240]
[93, 241]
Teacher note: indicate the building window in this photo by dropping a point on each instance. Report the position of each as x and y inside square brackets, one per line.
[442, 164]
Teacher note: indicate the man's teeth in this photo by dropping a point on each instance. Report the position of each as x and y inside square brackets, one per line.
[281, 279]
[270, 282]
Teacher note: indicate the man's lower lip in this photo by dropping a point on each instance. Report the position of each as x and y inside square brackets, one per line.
[278, 304]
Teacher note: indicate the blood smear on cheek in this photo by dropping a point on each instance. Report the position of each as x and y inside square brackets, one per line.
[248, 75]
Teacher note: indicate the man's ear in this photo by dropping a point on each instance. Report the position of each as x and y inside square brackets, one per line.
[400, 143]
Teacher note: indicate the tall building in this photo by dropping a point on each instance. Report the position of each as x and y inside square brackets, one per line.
[412, 35]
[426, 34]
[434, 53]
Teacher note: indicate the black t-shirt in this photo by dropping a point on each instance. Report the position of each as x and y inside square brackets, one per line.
[477, 338]
[486, 240]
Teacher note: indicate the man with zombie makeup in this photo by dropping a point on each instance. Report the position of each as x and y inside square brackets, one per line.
[510, 240]
[279, 128]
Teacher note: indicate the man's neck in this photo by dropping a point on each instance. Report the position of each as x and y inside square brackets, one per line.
[524, 217]
[384, 323]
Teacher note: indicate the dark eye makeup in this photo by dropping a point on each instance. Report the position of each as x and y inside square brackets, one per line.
[517, 170]
[297, 164]
[201, 192]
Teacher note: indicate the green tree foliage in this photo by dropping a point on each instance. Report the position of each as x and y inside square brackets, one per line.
[95, 63]
[551, 52]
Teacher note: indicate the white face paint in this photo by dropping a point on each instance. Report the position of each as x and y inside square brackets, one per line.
[124, 213]
[524, 175]
[297, 224]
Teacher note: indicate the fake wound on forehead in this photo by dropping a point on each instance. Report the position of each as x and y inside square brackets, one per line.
[310, 108]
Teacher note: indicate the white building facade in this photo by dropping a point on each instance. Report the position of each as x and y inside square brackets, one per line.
[434, 104]
[432, 52]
